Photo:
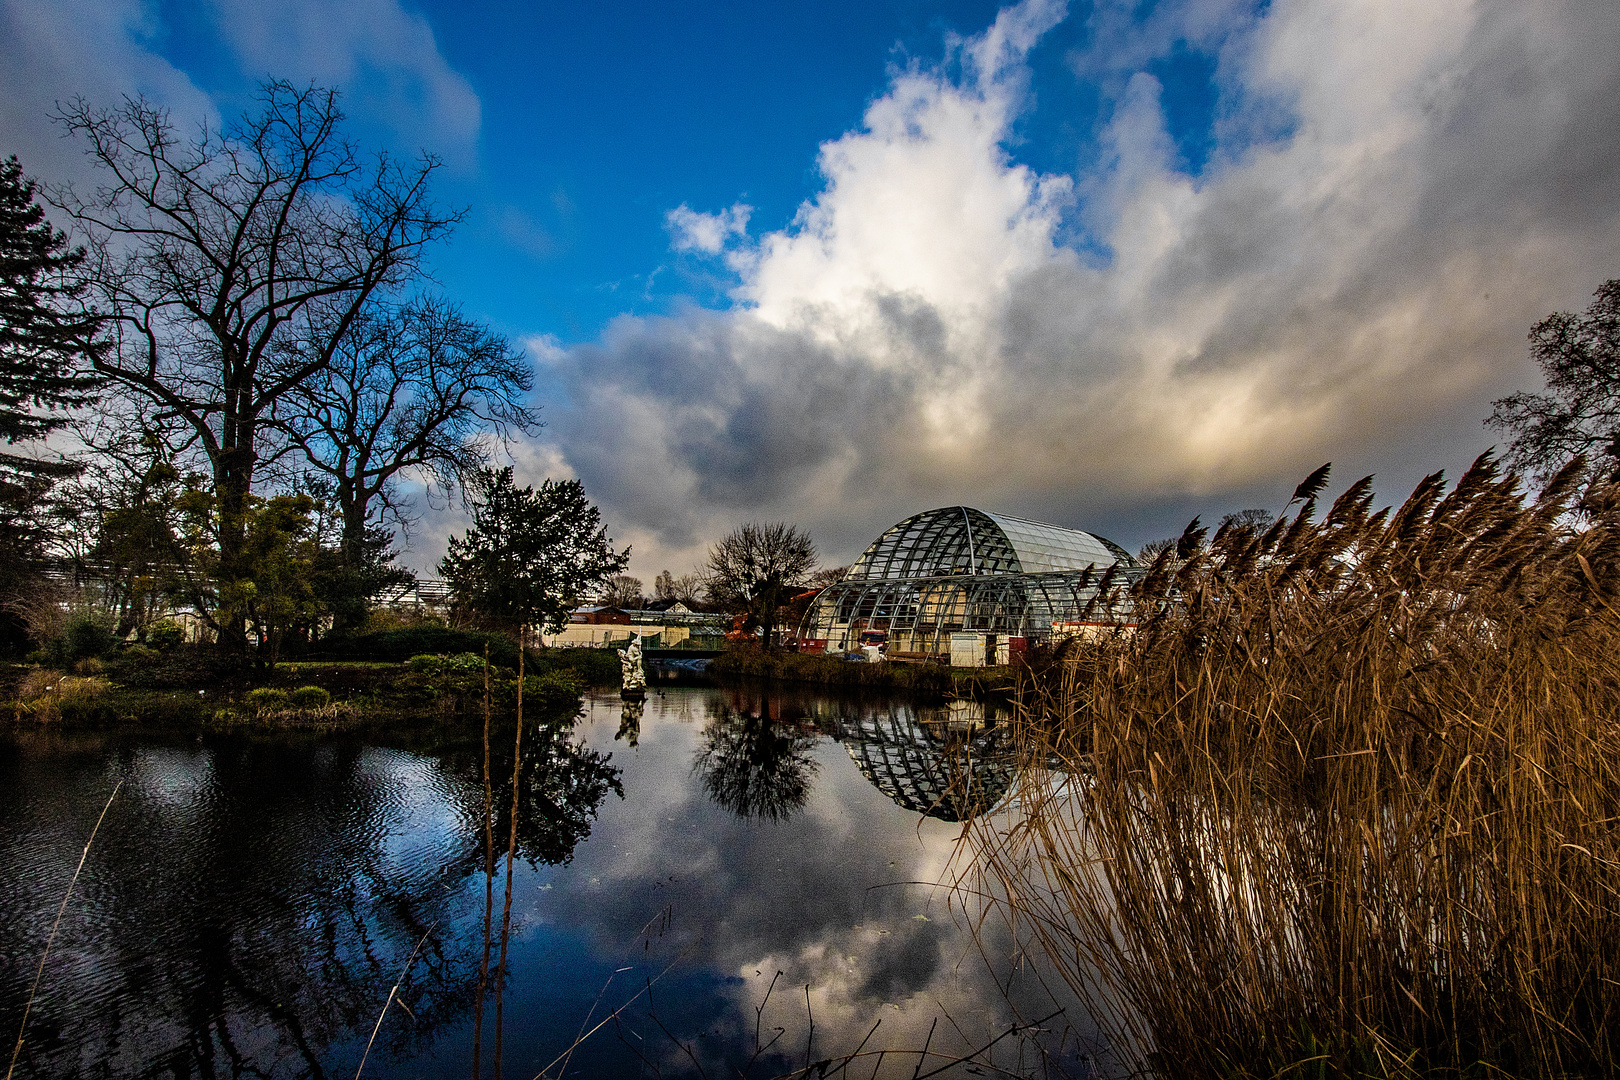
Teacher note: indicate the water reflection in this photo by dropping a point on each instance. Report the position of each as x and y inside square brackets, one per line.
[951, 760]
[244, 904]
[755, 756]
[630, 721]
[561, 788]
[249, 903]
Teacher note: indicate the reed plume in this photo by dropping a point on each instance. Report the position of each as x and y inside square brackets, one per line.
[1344, 800]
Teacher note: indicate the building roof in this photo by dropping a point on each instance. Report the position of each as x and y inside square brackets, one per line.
[963, 540]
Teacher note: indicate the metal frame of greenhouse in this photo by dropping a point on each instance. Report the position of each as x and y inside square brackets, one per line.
[960, 569]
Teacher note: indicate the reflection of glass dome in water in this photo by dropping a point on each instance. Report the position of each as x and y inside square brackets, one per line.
[957, 568]
[943, 766]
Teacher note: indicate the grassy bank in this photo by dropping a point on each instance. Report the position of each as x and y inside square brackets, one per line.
[187, 687]
[1346, 803]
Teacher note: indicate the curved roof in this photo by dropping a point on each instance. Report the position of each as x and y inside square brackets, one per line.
[962, 540]
[920, 772]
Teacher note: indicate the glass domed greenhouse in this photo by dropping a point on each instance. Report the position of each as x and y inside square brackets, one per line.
[957, 570]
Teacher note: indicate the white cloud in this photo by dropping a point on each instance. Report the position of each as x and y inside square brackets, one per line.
[55, 50]
[385, 58]
[1356, 288]
[694, 230]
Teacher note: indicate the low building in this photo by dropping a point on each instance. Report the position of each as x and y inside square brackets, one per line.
[600, 627]
[600, 616]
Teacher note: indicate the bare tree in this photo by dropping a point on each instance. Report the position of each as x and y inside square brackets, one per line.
[418, 387]
[235, 261]
[753, 569]
[624, 591]
[1579, 412]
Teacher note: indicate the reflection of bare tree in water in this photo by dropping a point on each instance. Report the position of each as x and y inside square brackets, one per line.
[247, 927]
[251, 926]
[755, 758]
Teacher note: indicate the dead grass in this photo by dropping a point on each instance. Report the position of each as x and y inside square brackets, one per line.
[42, 692]
[1346, 803]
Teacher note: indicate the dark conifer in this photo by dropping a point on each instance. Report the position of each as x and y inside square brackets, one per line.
[45, 329]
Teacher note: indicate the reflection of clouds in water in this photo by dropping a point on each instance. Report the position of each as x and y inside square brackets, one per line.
[172, 778]
[815, 896]
[415, 813]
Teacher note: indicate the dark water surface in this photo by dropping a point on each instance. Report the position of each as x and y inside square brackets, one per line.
[251, 900]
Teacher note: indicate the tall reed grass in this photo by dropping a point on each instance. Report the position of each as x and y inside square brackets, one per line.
[1345, 801]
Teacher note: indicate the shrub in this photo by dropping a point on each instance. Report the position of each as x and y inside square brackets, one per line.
[165, 634]
[88, 633]
[591, 667]
[751, 660]
[266, 698]
[461, 663]
[184, 666]
[84, 633]
[398, 646]
[310, 697]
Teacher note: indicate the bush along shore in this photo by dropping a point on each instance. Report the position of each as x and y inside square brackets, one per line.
[187, 685]
[1344, 803]
[754, 662]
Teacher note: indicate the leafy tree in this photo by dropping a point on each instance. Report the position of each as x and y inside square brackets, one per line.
[417, 387]
[1579, 412]
[270, 586]
[134, 504]
[234, 262]
[755, 568]
[530, 556]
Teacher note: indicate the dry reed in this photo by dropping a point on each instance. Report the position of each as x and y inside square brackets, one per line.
[42, 693]
[1344, 802]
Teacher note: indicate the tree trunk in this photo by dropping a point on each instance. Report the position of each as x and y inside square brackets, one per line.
[233, 484]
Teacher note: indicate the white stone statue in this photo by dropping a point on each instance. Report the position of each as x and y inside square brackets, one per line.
[635, 675]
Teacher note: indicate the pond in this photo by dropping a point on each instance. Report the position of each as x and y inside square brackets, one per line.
[720, 882]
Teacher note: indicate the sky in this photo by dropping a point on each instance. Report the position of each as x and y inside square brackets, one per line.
[1108, 265]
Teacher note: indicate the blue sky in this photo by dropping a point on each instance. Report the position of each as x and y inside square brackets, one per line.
[1103, 264]
[597, 120]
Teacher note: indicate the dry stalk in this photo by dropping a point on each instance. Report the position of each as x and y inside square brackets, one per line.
[1347, 797]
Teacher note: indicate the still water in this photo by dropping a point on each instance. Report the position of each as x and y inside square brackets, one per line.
[736, 883]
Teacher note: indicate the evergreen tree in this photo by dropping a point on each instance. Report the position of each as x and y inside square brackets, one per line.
[45, 330]
[45, 334]
[530, 556]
